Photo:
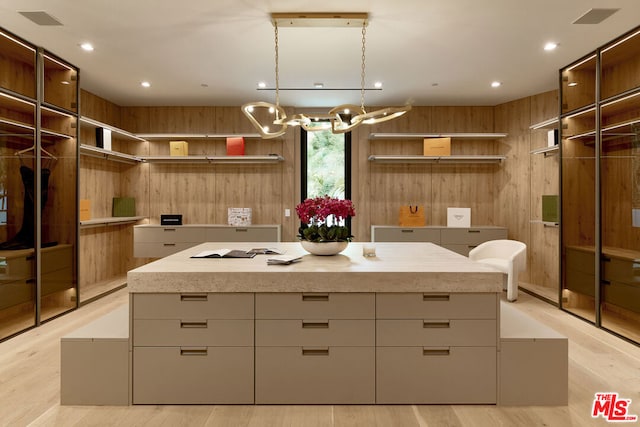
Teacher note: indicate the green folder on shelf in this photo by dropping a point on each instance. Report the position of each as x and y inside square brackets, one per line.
[124, 206]
[550, 208]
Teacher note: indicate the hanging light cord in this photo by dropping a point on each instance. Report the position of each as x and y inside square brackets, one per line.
[275, 30]
[362, 73]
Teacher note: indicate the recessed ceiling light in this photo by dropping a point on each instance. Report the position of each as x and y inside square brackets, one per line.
[550, 46]
[262, 85]
[318, 85]
[496, 84]
[377, 85]
[145, 84]
[87, 46]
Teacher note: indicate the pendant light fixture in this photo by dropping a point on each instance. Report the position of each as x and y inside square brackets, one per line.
[340, 119]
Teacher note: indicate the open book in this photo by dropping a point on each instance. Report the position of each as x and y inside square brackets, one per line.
[283, 260]
[224, 253]
[267, 251]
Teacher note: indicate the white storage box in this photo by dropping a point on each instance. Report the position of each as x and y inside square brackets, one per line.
[459, 217]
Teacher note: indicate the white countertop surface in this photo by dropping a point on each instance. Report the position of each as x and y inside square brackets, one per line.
[397, 267]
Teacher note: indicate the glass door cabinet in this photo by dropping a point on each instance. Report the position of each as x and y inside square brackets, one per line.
[600, 180]
[38, 185]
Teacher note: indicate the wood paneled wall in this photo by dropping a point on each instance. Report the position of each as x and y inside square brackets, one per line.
[497, 194]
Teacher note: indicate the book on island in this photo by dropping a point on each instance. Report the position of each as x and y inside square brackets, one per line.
[224, 253]
[266, 251]
[284, 260]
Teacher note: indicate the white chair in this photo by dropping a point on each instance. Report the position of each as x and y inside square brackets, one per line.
[508, 256]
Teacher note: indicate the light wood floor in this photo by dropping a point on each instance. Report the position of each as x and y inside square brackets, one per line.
[30, 382]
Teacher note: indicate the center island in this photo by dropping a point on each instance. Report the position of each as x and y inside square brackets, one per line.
[417, 323]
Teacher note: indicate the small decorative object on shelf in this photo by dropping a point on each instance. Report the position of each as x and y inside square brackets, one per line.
[323, 231]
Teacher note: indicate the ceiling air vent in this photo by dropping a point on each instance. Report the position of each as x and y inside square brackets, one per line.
[595, 16]
[40, 18]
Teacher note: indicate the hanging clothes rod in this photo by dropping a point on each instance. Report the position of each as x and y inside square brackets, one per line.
[51, 156]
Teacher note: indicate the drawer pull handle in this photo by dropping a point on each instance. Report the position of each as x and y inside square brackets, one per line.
[193, 352]
[431, 297]
[406, 231]
[315, 351]
[315, 297]
[193, 297]
[31, 257]
[436, 324]
[473, 231]
[605, 282]
[193, 324]
[435, 351]
[315, 325]
[241, 230]
[169, 229]
[472, 246]
[168, 244]
[605, 259]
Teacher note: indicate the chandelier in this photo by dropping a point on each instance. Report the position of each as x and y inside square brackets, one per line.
[340, 119]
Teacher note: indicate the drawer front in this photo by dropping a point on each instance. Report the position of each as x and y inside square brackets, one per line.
[169, 234]
[430, 333]
[581, 282]
[335, 332]
[210, 333]
[56, 281]
[330, 375]
[310, 306]
[243, 234]
[407, 234]
[203, 375]
[436, 306]
[624, 271]
[580, 261]
[471, 236]
[189, 306]
[57, 258]
[159, 250]
[622, 295]
[436, 375]
[18, 292]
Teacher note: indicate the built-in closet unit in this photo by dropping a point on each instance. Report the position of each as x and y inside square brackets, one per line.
[38, 185]
[600, 113]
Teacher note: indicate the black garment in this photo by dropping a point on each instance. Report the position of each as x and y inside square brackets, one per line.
[25, 238]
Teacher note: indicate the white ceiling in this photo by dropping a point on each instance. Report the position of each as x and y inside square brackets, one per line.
[426, 52]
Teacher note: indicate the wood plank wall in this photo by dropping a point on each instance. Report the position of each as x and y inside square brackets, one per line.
[496, 194]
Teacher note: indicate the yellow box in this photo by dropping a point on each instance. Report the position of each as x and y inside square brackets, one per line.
[437, 146]
[178, 148]
[85, 209]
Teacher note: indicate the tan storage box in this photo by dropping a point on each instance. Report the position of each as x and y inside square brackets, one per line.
[179, 148]
[437, 146]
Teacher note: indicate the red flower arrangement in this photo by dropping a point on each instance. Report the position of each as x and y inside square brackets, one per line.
[322, 217]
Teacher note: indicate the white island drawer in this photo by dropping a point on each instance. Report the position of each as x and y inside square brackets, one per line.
[437, 306]
[429, 333]
[335, 332]
[193, 306]
[312, 375]
[315, 305]
[211, 333]
[155, 234]
[436, 375]
[192, 375]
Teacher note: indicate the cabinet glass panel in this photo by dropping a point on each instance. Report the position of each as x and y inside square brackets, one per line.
[620, 218]
[17, 65]
[17, 222]
[620, 66]
[60, 88]
[578, 214]
[579, 84]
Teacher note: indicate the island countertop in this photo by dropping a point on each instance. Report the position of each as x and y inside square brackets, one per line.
[397, 267]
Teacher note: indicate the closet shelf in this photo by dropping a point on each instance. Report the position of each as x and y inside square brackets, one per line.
[547, 151]
[119, 220]
[101, 153]
[437, 159]
[479, 135]
[215, 159]
[197, 135]
[115, 130]
[546, 124]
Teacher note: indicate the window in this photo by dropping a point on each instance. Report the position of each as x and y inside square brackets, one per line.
[326, 164]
